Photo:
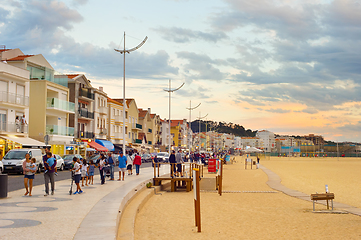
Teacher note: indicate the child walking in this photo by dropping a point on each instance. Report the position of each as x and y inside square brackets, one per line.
[84, 173]
[91, 172]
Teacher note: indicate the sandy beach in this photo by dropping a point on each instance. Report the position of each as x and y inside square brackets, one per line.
[262, 215]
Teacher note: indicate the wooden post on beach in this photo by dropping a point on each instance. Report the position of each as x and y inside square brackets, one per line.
[220, 179]
[197, 199]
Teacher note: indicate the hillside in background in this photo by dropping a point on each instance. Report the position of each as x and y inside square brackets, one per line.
[222, 127]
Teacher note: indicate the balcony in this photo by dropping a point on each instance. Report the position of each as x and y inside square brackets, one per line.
[103, 131]
[150, 130]
[118, 135]
[60, 105]
[138, 141]
[103, 110]
[59, 130]
[12, 127]
[84, 113]
[137, 126]
[118, 118]
[150, 142]
[14, 99]
[85, 135]
[86, 93]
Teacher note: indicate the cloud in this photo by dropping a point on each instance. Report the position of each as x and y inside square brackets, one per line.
[278, 110]
[201, 66]
[351, 127]
[80, 2]
[183, 35]
[36, 32]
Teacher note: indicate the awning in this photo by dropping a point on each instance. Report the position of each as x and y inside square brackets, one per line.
[119, 148]
[25, 141]
[105, 143]
[97, 146]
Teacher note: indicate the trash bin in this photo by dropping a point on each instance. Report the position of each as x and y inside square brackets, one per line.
[3, 185]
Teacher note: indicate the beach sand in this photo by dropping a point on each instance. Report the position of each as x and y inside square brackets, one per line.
[255, 215]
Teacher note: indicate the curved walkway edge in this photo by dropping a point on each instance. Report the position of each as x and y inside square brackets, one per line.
[274, 182]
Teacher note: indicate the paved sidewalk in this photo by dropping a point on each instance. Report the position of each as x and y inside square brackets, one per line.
[92, 214]
[274, 181]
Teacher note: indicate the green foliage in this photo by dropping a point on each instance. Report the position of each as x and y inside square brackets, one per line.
[222, 127]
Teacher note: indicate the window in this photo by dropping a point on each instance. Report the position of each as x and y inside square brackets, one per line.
[113, 112]
[99, 102]
[98, 123]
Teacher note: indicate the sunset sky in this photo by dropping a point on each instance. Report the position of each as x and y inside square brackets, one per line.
[291, 67]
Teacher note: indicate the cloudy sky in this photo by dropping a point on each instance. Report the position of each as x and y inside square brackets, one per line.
[289, 66]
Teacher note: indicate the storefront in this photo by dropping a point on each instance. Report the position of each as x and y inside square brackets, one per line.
[8, 143]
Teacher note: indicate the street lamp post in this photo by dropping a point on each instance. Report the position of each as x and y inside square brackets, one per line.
[169, 90]
[123, 52]
[190, 143]
[199, 128]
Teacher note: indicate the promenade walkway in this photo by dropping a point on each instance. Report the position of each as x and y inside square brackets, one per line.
[90, 215]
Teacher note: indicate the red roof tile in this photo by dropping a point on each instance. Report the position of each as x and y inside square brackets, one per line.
[4, 50]
[142, 113]
[72, 75]
[19, 58]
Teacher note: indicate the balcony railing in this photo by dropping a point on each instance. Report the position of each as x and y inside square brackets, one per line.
[150, 142]
[85, 134]
[60, 104]
[149, 130]
[139, 126]
[103, 131]
[118, 118]
[13, 98]
[85, 113]
[12, 127]
[103, 110]
[84, 92]
[59, 130]
[139, 141]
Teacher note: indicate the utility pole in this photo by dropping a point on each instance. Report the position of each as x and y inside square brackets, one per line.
[124, 103]
[169, 90]
[199, 129]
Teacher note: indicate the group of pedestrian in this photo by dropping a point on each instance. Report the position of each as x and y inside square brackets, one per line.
[176, 160]
[81, 170]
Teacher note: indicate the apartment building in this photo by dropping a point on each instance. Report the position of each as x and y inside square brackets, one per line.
[115, 124]
[267, 139]
[14, 106]
[49, 107]
[101, 119]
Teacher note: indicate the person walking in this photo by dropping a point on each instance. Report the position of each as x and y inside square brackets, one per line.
[84, 173]
[137, 162]
[77, 175]
[122, 165]
[172, 164]
[29, 173]
[111, 163]
[179, 161]
[49, 171]
[102, 163]
[130, 163]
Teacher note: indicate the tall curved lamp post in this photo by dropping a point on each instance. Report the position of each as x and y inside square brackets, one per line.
[124, 103]
[190, 142]
[199, 129]
[169, 90]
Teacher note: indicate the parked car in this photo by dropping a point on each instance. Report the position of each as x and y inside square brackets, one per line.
[60, 163]
[1, 166]
[164, 156]
[13, 160]
[146, 157]
[68, 160]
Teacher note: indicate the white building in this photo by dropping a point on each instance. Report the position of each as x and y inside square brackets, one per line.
[268, 140]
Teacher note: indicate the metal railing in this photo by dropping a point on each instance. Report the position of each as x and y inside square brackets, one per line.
[85, 113]
[59, 130]
[84, 92]
[137, 141]
[60, 104]
[13, 98]
[85, 134]
[12, 127]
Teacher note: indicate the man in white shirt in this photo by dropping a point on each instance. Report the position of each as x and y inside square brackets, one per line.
[77, 175]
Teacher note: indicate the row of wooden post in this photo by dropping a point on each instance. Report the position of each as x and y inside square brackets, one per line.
[156, 167]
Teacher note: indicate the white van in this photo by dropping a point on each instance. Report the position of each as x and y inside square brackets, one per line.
[13, 160]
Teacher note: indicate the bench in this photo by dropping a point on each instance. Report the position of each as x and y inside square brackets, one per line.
[188, 183]
[322, 196]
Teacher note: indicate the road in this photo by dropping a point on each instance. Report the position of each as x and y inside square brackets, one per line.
[16, 182]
